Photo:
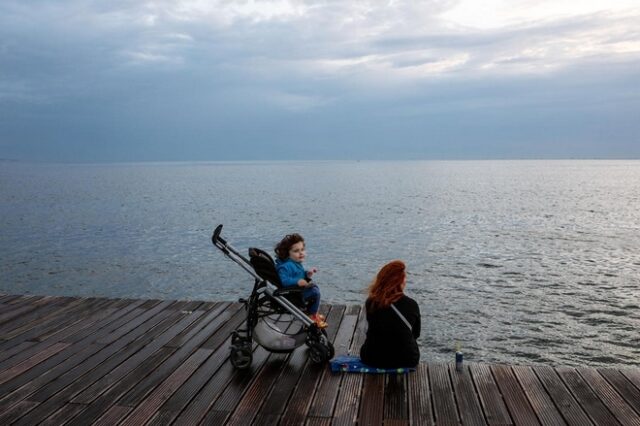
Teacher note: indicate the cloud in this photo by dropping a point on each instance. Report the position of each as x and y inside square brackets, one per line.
[146, 72]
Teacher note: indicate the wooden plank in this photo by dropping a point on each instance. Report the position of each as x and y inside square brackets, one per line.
[624, 387]
[563, 399]
[11, 415]
[444, 405]
[221, 325]
[147, 408]
[614, 402]
[75, 379]
[420, 409]
[540, 401]
[198, 406]
[514, 396]
[227, 401]
[103, 403]
[302, 396]
[131, 326]
[188, 391]
[492, 404]
[396, 423]
[318, 421]
[221, 394]
[234, 322]
[68, 377]
[146, 343]
[39, 346]
[257, 390]
[372, 404]
[323, 402]
[161, 418]
[35, 348]
[132, 360]
[27, 299]
[227, 310]
[254, 397]
[586, 397]
[21, 302]
[207, 306]
[54, 325]
[348, 402]
[127, 311]
[27, 364]
[7, 299]
[118, 339]
[469, 406]
[219, 397]
[190, 306]
[18, 349]
[396, 405]
[632, 375]
[62, 362]
[63, 415]
[113, 416]
[36, 316]
[276, 401]
[17, 313]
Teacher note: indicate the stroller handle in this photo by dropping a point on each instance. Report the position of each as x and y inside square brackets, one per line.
[228, 249]
[216, 235]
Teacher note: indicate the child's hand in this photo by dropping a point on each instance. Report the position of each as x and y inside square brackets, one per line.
[312, 271]
[303, 283]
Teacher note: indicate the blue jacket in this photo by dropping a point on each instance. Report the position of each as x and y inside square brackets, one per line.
[290, 272]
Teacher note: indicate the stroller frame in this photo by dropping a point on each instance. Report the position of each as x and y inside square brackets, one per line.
[266, 299]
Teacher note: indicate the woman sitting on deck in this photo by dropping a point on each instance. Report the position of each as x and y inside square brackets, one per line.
[393, 319]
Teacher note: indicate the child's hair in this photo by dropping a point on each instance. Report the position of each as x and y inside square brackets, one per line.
[283, 247]
[386, 288]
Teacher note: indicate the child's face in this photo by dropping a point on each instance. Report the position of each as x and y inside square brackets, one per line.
[296, 252]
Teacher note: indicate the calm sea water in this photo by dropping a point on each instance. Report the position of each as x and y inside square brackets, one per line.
[520, 261]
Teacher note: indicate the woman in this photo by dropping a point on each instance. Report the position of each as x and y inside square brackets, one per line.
[394, 321]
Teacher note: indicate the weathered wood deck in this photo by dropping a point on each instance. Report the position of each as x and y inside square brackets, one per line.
[80, 361]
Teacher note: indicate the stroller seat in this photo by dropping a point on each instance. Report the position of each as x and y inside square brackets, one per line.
[265, 267]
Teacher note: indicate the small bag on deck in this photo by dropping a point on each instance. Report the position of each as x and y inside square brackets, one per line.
[353, 364]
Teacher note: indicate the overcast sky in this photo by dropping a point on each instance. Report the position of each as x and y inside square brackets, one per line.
[248, 80]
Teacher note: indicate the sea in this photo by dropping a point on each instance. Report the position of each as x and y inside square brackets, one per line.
[524, 262]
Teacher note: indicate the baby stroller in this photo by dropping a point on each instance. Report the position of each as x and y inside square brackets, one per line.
[270, 301]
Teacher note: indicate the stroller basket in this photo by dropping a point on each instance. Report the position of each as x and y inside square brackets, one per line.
[269, 306]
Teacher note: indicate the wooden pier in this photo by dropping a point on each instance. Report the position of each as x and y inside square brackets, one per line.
[82, 361]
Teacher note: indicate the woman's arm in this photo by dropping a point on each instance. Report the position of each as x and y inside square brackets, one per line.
[417, 323]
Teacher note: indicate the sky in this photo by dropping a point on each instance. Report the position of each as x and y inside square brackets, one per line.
[219, 80]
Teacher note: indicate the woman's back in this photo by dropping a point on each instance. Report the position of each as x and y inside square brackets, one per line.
[389, 342]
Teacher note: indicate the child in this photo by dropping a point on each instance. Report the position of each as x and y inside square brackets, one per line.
[290, 254]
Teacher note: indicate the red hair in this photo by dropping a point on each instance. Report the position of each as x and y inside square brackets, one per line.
[387, 287]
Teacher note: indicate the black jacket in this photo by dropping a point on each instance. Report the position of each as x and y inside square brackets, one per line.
[389, 342]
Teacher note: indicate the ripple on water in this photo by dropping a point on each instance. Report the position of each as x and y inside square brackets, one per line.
[574, 314]
[489, 265]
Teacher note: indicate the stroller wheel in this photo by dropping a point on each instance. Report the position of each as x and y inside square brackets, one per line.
[319, 353]
[241, 357]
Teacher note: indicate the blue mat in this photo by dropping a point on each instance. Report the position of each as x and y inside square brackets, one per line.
[353, 364]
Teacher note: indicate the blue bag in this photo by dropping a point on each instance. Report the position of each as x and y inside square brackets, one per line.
[353, 364]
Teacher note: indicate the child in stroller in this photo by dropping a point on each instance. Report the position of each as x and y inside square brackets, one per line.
[291, 253]
[270, 304]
